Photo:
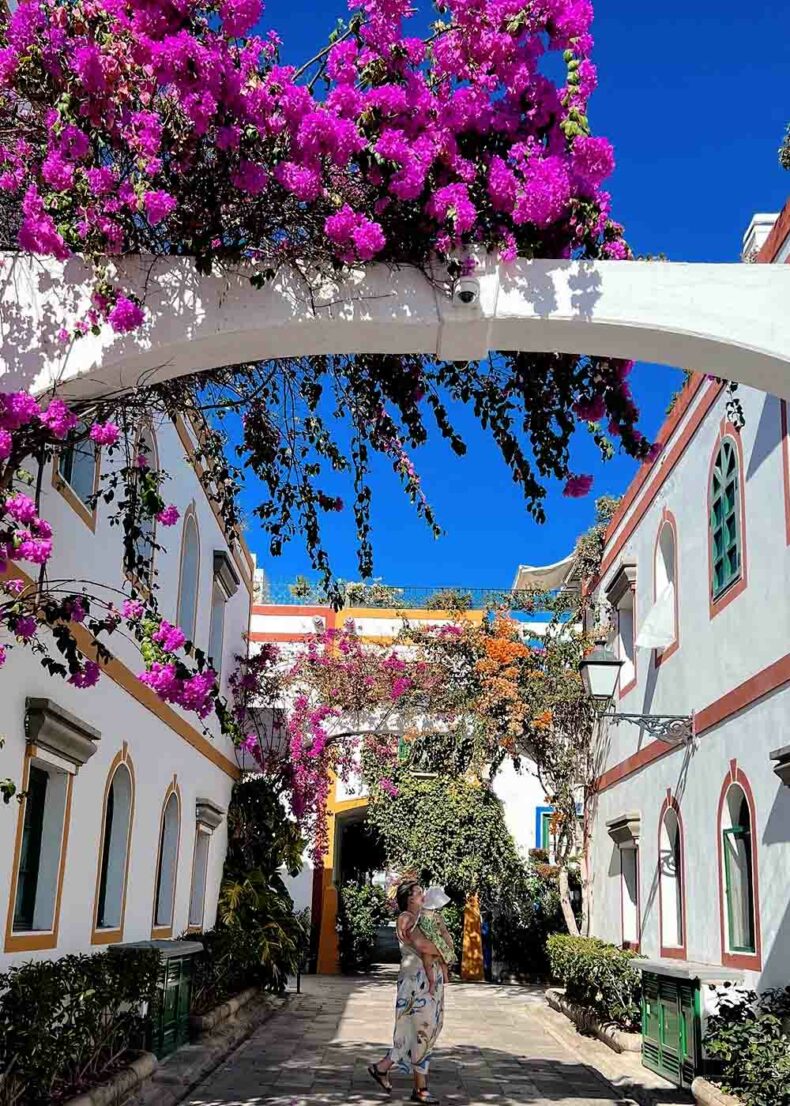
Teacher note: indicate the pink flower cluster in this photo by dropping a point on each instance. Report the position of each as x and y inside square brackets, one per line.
[415, 146]
[194, 693]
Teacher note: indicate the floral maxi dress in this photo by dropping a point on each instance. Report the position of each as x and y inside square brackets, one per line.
[418, 1015]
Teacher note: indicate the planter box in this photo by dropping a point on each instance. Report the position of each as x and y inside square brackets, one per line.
[122, 1086]
[707, 1094]
[118, 1089]
[588, 1021]
[204, 1023]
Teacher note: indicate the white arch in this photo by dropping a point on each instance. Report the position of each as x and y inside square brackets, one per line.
[730, 320]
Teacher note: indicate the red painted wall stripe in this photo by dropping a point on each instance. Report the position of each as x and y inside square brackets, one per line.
[762, 683]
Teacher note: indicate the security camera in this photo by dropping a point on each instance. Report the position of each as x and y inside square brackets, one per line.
[467, 291]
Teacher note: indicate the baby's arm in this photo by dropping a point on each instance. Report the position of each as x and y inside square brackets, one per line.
[445, 932]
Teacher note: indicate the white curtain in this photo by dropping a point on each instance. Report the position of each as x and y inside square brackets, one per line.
[658, 629]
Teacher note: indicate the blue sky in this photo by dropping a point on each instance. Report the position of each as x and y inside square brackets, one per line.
[694, 98]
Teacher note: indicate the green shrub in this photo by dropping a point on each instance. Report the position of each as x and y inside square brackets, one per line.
[259, 947]
[525, 918]
[748, 1036]
[67, 1024]
[362, 909]
[597, 975]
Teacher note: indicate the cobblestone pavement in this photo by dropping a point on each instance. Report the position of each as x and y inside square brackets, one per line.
[494, 1051]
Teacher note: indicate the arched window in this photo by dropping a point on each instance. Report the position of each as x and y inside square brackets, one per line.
[659, 629]
[188, 584]
[671, 889]
[168, 863]
[666, 575]
[739, 877]
[114, 857]
[726, 538]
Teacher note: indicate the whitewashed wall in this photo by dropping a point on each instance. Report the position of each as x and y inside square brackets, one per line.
[696, 777]
[157, 751]
[714, 657]
[521, 796]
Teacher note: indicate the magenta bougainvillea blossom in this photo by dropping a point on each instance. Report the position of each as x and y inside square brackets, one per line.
[169, 127]
[115, 113]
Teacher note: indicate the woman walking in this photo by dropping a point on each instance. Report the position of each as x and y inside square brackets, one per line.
[419, 1008]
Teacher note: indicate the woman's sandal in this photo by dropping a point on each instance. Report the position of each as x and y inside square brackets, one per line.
[424, 1097]
[380, 1076]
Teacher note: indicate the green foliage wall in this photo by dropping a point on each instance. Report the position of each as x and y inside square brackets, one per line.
[451, 830]
[362, 909]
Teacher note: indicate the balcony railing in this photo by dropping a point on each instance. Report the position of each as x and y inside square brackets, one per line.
[375, 594]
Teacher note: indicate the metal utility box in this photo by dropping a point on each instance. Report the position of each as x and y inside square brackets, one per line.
[169, 1028]
[671, 1027]
[673, 1015]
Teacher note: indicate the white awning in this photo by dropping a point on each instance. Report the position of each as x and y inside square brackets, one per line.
[545, 577]
[658, 628]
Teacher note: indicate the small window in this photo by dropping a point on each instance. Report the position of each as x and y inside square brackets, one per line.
[725, 521]
[738, 872]
[39, 858]
[625, 641]
[547, 839]
[77, 466]
[115, 851]
[629, 875]
[670, 862]
[216, 635]
[197, 897]
[168, 861]
[188, 585]
[666, 578]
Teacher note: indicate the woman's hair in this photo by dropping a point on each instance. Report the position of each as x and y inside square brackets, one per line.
[403, 894]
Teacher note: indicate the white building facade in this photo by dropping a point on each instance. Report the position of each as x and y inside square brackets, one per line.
[690, 844]
[121, 836]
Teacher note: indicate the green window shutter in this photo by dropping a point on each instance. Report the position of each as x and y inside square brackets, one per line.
[725, 526]
[30, 854]
[739, 888]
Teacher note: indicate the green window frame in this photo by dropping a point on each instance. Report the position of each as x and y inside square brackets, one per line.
[725, 519]
[545, 829]
[30, 853]
[739, 834]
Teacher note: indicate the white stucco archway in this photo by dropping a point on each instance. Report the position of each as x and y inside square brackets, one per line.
[731, 320]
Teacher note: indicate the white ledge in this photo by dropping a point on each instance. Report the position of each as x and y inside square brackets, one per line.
[729, 320]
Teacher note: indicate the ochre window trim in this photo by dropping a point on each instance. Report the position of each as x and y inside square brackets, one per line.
[45, 939]
[166, 931]
[110, 935]
[190, 518]
[64, 489]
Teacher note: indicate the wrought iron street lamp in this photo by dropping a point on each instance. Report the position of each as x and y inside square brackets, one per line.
[600, 671]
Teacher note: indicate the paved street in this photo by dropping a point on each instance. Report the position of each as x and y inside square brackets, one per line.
[494, 1050]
